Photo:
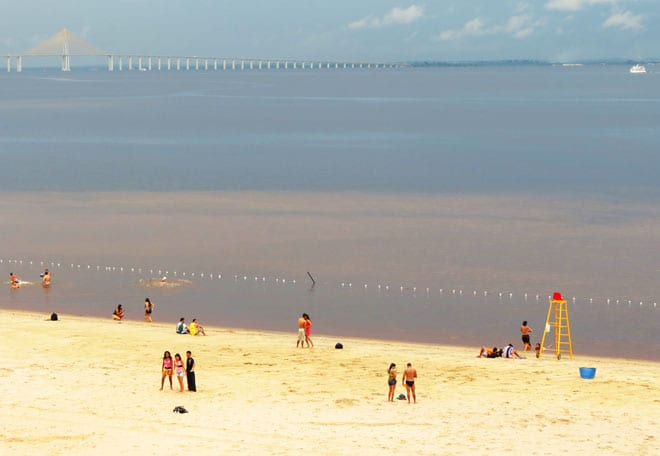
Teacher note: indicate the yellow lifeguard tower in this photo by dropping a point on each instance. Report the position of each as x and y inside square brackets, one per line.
[558, 319]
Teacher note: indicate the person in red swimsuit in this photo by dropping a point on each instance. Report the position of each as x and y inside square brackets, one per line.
[308, 331]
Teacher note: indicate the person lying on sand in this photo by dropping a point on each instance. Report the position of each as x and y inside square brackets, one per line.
[489, 352]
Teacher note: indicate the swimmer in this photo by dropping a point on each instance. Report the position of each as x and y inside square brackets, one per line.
[45, 278]
[15, 280]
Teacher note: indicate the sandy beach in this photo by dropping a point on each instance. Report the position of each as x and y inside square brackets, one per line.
[87, 385]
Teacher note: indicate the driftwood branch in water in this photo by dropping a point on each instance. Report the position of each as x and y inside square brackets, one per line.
[310, 276]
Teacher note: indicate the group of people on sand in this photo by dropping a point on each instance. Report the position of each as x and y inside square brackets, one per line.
[194, 329]
[509, 351]
[15, 281]
[118, 313]
[408, 380]
[176, 366]
[304, 332]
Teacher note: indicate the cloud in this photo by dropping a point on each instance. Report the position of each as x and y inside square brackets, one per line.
[625, 20]
[575, 5]
[518, 26]
[395, 16]
[473, 27]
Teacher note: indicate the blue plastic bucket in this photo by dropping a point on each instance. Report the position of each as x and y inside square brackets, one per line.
[587, 372]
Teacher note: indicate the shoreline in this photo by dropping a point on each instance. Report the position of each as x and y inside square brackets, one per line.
[338, 337]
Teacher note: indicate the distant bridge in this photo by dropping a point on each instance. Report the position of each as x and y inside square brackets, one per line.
[65, 44]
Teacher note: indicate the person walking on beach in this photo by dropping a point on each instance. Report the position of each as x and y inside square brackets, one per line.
[190, 372]
[301, 332]
[391, 382]
[525, 330]
[167, 369]
[148, 309]
[408, 379]
[178, 369]
[308, 331]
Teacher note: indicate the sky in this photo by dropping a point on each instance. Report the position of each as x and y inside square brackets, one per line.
[349, 30]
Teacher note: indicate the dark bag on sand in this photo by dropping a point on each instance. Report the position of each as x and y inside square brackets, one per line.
[338, 345]
[53, 317]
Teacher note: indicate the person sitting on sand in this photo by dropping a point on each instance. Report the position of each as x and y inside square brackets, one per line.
[510, 352]
[489, 352]
[118, 314]
[15, 280]
[195, 328]
[181, 327]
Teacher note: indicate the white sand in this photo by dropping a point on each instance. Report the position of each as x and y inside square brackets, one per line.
[83, 386]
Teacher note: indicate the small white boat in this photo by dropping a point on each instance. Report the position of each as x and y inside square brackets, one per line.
[637, 69]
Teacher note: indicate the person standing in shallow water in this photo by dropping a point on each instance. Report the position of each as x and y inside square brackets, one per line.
[525, 330]
[391, 382]
[45, 278]
[15, 280]
[148, 309]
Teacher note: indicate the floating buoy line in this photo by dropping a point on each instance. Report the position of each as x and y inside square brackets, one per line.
[165, 277]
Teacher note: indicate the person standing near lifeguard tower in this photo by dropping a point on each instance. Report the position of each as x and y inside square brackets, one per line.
[525, 330]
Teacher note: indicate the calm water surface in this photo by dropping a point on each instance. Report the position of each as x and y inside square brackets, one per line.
[578, 133]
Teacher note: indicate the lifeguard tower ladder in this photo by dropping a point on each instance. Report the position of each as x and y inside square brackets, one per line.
[558, 319]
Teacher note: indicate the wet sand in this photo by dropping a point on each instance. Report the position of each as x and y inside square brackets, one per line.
[84, 385]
